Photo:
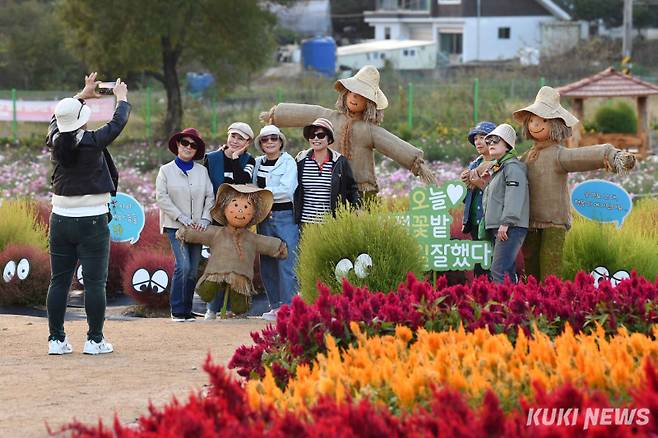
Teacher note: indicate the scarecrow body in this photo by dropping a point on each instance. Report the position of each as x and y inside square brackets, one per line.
[363, 137]
[549, 164]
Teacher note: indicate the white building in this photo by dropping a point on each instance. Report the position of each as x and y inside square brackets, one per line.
[477, 30]
[403, 55]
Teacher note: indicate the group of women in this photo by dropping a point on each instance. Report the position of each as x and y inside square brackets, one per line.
[305, 189]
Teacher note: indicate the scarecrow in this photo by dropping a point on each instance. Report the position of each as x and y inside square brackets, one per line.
[233, 246]
[359, 112]
[548, 125]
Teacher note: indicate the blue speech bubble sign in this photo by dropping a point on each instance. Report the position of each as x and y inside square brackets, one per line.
[128, 219]
[601, 201]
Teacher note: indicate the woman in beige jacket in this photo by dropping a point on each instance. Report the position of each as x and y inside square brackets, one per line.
[184, 195]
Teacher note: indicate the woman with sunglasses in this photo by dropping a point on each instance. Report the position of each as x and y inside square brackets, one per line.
[84, 177]
[277, 171]
[324, 176]
[506, 203]
[184, 195]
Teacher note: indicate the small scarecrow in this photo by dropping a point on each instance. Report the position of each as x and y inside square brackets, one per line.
[359, 112]
[548, 125]
[233, 246]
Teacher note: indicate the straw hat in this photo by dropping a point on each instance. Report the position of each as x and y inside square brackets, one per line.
[71, 114]
[270, 130]
[547, 106]
[242, 129]
[320, 122]
[506, 132]
[265, 201]
[193, 134]
[365, 83]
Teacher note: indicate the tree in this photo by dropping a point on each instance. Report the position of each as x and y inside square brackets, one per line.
[32, 55]
[230, 38]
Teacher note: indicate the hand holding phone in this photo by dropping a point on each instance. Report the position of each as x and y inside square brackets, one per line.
[105, 88]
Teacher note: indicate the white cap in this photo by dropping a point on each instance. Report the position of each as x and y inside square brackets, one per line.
[71, 114]
[242, 129]
[270, 130]
[506, 132]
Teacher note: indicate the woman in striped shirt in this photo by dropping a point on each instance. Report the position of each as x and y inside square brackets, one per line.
[277, 171]
[324, 176]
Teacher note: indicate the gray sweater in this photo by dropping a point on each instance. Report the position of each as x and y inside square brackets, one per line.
[506, 199]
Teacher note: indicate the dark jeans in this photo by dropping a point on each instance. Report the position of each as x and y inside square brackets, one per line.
[187, 258]
[278, 275]
[505, 252]
[73, 239]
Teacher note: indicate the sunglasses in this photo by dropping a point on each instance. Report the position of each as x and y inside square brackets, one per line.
[185, 143]
[273, 137]
[494, 139]
[319, 135]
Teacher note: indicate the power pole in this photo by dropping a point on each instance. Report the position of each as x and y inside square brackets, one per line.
[627, 47]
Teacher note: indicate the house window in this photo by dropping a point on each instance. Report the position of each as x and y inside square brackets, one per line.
[387, 33]
[450, 43]
[409, 52]
[504, 33]
[403, 5]
[405, 52]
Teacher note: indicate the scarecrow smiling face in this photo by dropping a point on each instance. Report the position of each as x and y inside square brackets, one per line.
[240, 211]
[539, 128]
[356, 103]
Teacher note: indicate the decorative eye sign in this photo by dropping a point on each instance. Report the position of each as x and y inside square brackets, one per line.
[601, 201]
[601, 273]
[79, 276]
[143, 281]
[361, 266]
[20, 270]
[205, 251]
[127, 219]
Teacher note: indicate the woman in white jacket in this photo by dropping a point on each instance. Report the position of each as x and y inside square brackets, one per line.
[184, 195]
[277, 171]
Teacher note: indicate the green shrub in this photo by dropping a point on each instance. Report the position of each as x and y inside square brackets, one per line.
[393, 250]
[617, 118]
[19, 224]
[590, 244]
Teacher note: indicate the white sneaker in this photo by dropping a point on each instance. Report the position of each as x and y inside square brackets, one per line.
[101, 347]
[210, 315]
[178, 318]
[59, 347]
[271, 315]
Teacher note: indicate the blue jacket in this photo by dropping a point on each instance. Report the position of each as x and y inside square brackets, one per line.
[282, 179]
[468, 201]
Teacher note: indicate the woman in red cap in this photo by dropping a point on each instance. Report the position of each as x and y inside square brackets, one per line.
[184, 195]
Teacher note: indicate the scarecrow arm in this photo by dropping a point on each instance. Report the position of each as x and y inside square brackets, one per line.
[294, 115]
[403, 153]
[190, 235]
[595, 157]
[270, 246]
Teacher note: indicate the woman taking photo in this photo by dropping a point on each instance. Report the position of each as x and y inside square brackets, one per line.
[84, 177]
[324, 176]
[277, 171]
[184, 195]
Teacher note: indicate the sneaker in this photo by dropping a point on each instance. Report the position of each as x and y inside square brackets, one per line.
[210, 315]
[190, 317]
[102, 347]
[178, 317]
[59, 347]
[271, 315]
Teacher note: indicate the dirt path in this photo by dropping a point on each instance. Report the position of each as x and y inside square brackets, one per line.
[154, 359]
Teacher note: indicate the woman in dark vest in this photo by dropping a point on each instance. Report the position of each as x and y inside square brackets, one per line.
[84, 177]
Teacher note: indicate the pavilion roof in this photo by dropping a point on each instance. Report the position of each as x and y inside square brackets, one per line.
[608, 83]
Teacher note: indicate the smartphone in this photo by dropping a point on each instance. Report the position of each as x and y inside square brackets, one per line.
[106, 88]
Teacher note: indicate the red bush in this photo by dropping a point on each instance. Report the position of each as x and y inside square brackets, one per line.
[26, 275]
[147, 277]
[150, 237]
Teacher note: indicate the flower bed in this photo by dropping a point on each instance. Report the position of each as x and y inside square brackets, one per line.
[299, 334]
[393, 371]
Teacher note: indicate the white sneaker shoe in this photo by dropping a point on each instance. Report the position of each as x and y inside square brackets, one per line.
[210, 315]
[101, 347]
[271, 315]
[59, 347]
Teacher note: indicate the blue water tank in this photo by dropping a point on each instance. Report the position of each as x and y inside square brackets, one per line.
[320, 54]
[198, 82]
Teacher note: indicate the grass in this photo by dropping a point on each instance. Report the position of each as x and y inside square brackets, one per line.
[19, 224]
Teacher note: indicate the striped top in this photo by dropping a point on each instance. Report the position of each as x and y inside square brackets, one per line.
[317, 190]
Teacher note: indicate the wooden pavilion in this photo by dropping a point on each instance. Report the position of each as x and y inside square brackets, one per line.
[611, 83]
